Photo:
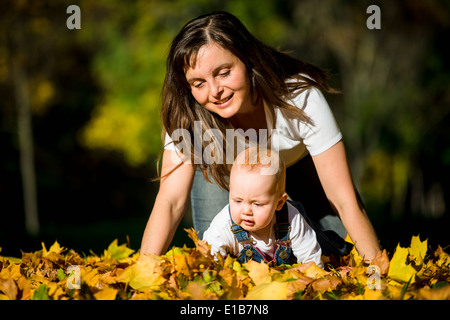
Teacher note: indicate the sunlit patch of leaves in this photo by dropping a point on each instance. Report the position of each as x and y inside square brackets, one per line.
[120, 273]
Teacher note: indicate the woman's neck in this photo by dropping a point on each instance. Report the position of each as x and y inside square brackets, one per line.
[255, 119]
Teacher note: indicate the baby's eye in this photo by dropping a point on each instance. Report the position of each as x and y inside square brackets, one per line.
[258, 204]
[237, 201]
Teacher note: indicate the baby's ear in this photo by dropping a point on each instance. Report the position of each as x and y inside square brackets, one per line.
[281, 201]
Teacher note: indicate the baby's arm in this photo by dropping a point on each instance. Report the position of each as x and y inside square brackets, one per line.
[219, 235]
[304, 242]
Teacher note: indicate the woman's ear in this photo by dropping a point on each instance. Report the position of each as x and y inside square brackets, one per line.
[281, 201]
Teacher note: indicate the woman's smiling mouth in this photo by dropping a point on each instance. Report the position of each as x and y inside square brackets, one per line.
[223, 102]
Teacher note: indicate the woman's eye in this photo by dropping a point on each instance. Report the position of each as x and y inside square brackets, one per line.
[225, 73]
[197, 84]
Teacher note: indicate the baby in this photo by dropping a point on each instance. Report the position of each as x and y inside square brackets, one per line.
[258, 223]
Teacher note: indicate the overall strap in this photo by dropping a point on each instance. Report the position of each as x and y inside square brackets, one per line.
[282, 226]
[240, 234]
[248, 252]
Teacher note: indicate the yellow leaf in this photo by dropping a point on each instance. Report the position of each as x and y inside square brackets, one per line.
[269, 291]
[90, 276]
[15, 271]
[399, 270]
[203, 247]
[117, 252]
[146, 273]
[355, 259]
[315, 272]
[397, 292]
[258, 271]
[56, 248]
[106, 294]
[435, 294]
[181, 264]
[443, 258]
[418, 250]
[351, 296]
[370, 294]
[348, 239]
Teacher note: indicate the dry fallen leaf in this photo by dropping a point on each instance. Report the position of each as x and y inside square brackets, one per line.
[192, 273]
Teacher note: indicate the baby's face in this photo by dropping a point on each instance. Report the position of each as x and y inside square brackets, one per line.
[253, 200]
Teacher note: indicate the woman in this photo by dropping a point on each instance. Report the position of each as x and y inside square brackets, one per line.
[220, 78]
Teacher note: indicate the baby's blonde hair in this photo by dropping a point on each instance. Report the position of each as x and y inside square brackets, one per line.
[266, 160]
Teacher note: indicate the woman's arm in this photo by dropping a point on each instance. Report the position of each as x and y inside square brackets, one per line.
[169, 206]
[335, 176]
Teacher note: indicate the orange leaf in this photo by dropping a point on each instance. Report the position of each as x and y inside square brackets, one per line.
[382, 261]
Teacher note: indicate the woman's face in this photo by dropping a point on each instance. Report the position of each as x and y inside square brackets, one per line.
[219, 81]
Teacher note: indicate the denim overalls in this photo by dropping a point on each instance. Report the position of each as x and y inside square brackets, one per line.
[283, 253]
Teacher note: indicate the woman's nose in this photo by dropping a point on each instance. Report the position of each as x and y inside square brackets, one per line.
[216, 90]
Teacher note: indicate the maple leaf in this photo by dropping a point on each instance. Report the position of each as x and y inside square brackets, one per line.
[399, 270]
[417, 250]
[435, 294]
[233, 289]
[117, 252]
[9, 289]
[373, 295]
[315, 272]
[192, 273]
[146, 273]
[326, 284]
[90, 276]
[55, 248]
[258, 272]
[382, 261]
[202, 246]
[107, 293]
[41, 293]
[443, 258]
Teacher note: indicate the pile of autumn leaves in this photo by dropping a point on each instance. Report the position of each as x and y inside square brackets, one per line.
[192, 273]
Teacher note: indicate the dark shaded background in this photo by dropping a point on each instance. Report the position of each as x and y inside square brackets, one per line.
[92, 97]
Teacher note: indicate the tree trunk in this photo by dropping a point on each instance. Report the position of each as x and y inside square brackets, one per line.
[25, 133]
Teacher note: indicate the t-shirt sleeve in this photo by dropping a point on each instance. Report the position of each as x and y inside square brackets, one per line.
[303, 240]
[219, 235]
[168, 143]
[324, 131]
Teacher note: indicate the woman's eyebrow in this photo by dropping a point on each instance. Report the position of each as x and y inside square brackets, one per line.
[215, 70]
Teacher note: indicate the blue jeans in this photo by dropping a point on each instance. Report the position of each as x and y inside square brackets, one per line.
[207, 200]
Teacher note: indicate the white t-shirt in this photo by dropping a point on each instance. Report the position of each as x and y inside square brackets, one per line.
[303, 238]
[293, 138]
